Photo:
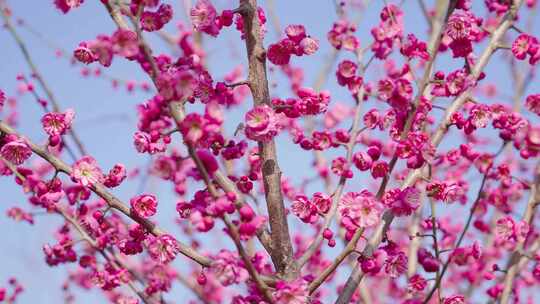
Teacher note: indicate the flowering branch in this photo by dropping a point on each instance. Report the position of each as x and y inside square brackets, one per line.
[111, 200]
[436, 138]
[517, 255]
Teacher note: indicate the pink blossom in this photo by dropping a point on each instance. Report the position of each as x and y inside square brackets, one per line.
[16, 150]
[278, 54]
[203, 17]
[228, 269]
[396, 264]
[116, 176]
[508, 231]
[322, 201]
[57, 123]
[361, 208]
[84, 54]
[163, 249]
[125, 43]
[19, 214]
[102, 49]
[455, 299]
[304, 209]
[66, 5]
[521, 46]
[86, 172]
[532, 103]
[402, 202]
[295, 292]
[144, 205]
[309, 45]
[261, 123]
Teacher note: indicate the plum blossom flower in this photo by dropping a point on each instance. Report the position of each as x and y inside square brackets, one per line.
[125, 43]
[16, 150]
[228, 269]
[361, 209]
[57, 123]
[532, 103]
[261, 123]
[116, 176]
[304, 209]
[203, 17]
[86, 172]
[521, 46]
[295, 292]
[508, 231]
[84, 54]
[163, 248]
[66, 5]
[144, 205]
[455, 299]
[402, 202]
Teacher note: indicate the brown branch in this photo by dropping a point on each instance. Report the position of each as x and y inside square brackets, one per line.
[339, 259]
[282, 251]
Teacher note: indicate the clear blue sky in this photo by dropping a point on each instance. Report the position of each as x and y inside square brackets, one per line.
[106, 118]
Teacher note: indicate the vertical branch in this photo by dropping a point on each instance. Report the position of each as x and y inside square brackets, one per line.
[282, 252]
[512, 267]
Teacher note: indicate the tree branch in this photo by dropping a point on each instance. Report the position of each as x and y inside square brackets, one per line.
[282, 252]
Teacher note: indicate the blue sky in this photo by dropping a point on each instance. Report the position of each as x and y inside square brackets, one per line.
[106, 118]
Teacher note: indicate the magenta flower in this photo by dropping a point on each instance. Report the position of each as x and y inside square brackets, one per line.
[66, 5]
[295, 292]
[532, 103]
[261, 123]
[86, 172]
[361, 208]
[125, 43]
[116, 176]
[228, 269]
[303, 208]
[16, 150]
[144, 205]
[57, 123]
[163, 249]
[203, 17]
[84, 54]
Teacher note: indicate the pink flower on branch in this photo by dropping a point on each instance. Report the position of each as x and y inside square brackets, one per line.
[86, 172]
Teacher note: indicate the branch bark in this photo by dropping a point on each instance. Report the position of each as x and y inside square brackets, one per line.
[282, 251]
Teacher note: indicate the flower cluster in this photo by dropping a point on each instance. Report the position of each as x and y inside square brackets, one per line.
[15, 149]
[228, 269]
[205, 19]
[66, 5]
[163, 248]
[359, 210]
[261, 123]
[297, 43]
[57, 124]
[308, 103]
[526, 45]
[389, 30]
[86, 172]
[342, 36]
[462, 30]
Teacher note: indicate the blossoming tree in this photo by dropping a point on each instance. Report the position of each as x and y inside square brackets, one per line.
[425, 179]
